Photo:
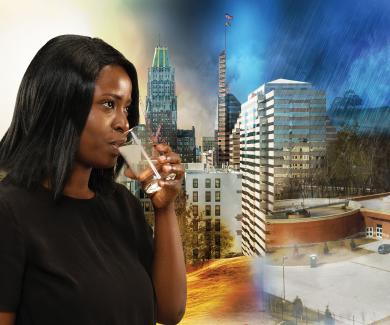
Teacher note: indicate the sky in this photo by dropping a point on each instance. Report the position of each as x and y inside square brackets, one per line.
[335, 45]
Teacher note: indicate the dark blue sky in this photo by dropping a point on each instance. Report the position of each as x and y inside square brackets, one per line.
[335, 44]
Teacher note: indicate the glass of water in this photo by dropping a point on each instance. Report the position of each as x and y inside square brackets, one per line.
[141, 156]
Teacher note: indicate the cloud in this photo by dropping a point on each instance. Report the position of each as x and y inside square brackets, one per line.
[367, 75]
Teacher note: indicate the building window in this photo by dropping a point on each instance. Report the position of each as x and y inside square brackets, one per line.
[217, 210]
[217, 183]
[217, 196]
[208, 210]
[195, 183]
[217, 224]
[207, 182]
[208, 225]
[147, 207]
[370, 231]
[195, 224]
[208, 196]
[217, 240]
[195, 196]
[378, 231]
[195, 212]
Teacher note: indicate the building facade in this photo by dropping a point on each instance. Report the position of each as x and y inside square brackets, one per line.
[186, 146]
[228, 110]
[161, 100]
[216, 196]
[208, 143]
[234, 146]
[282, 141]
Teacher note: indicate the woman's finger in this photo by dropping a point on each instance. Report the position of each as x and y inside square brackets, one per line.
[174, 184]
[171, 157]
[163, 148]
[176, 169]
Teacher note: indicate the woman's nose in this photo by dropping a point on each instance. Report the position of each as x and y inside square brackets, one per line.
[121, 122]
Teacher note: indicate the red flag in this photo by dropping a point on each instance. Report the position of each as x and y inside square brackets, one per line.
[228, 17]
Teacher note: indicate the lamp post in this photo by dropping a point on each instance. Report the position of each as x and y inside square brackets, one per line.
[284, 287]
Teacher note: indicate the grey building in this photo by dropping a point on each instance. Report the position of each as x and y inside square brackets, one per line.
[228, 111]
[186, 146]
[208, 143]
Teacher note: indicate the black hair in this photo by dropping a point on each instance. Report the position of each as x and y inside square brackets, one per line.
[52, 106]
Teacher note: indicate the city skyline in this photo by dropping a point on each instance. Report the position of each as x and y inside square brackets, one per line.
[335, 50]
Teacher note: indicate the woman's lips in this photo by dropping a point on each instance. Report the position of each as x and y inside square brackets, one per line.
[115, 149]
[115, 146]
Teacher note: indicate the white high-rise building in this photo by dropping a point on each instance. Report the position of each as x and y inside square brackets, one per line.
[282, 141]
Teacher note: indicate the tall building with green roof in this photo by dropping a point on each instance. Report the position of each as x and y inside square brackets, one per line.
[161, 100]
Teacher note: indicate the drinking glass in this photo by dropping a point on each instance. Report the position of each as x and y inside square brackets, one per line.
[141, 156]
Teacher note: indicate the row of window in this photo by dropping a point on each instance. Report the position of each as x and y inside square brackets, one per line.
[217, 225]
[195, 196]
[195, 183]
[378, 231]
[217, 210]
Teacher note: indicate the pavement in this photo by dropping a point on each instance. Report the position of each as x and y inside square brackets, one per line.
[356, 291]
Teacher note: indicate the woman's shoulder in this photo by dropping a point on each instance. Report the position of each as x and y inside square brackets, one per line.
[10, 192]
[10, 197]
[124, 192]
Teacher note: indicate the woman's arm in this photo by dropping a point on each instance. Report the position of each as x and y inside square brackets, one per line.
[7, 318]
[169, 273]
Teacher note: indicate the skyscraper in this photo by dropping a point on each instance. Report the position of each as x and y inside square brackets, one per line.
[282, 141]
[228, 111]
[186, 145]
[161, 100]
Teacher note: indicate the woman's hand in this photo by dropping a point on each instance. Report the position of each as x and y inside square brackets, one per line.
[168, 163]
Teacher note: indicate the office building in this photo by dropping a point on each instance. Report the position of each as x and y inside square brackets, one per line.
[161, 100]
[282, 140]
[186, 146]
[227, 114]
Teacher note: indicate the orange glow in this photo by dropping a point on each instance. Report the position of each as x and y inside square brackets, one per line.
[223, 293]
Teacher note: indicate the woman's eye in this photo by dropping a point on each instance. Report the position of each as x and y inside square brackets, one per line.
[126, 109]
[109, 104]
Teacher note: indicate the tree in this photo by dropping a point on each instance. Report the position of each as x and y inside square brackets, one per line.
[296, 252]
[353, 245]
[326, 248]
[328, 320]
[202, 238]
[297, 308]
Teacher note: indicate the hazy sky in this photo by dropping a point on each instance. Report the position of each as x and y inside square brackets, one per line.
[336, 45]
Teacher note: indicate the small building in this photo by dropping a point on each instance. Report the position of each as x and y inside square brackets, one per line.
[216, 195]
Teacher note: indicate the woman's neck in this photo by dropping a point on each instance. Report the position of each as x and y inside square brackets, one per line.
[77, 184]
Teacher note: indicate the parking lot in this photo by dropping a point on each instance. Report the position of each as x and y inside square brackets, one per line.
[355, 290]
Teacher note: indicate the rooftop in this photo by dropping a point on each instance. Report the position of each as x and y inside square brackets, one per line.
[161, 58]
[286, 81]
[377, 204]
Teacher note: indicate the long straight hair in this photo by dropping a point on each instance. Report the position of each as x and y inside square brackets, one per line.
[52, 106]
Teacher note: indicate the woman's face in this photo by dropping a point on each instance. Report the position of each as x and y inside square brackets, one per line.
[107, 119]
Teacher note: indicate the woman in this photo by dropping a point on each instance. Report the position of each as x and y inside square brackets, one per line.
[74, 245]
